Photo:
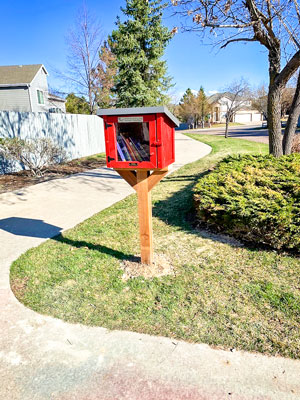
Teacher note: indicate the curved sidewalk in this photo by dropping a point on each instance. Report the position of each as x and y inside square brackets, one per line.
[45, 358]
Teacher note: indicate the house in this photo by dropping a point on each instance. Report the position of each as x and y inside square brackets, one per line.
[25, 88]
[245, 113]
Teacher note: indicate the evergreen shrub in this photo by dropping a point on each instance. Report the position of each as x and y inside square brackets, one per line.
[253, 198]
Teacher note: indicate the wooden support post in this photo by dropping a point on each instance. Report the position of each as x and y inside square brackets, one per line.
[156, 177]
[142, 182]
[145, 217]
[129, 177]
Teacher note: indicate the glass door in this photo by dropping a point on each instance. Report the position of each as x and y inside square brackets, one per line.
[133, 138]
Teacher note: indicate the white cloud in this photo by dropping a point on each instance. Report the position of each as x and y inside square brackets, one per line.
[210, 92]
[177, 96]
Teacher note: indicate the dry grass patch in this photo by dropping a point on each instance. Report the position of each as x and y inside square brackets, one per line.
[161, 266]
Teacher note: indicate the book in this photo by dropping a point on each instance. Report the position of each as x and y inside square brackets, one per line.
[124, 149]
[130, 149]
[131, 152]
[135, 150]
[120, 152]
[144, 154]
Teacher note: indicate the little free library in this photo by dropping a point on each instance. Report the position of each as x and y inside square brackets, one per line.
[140, 145]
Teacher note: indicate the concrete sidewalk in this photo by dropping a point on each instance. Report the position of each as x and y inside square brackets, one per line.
[45, 358]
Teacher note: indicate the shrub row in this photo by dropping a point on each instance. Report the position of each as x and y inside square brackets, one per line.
[253, 198]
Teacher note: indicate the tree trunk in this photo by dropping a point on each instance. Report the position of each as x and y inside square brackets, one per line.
[292, 121]
[91, 102]
[274, 122]
[274, 103]
[226, 128]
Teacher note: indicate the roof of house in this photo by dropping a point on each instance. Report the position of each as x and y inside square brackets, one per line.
[19, 74]
[217, 96]
[53, 97]
[139, 111]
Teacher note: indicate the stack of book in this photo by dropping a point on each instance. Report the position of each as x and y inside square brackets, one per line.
[130, 149]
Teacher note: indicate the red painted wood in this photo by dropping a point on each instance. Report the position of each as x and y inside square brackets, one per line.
[161, 140]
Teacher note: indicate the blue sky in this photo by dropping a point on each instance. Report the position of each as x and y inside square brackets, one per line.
[33, 32]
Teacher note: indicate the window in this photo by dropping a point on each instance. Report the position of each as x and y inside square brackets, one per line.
[40, 95]
[133, 141]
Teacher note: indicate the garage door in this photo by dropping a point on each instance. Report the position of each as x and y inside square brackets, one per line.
[256, 117]
[243, 118]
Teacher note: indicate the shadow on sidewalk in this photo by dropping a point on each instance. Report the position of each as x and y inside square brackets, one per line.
[39, 229]
[29, 227]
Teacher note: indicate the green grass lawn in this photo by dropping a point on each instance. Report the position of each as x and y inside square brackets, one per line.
[222, 293]
[95, 157]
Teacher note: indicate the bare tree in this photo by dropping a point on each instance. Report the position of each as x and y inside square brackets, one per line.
[274, 24]
[238, 96]
[84, 41]
[259, 100]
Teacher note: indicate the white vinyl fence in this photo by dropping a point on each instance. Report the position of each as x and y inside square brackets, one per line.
[80, 135]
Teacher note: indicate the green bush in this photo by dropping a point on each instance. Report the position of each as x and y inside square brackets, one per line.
[253, 198]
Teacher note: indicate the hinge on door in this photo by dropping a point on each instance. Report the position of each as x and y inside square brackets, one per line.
[109, 159]
[156, 144]
[107, 125]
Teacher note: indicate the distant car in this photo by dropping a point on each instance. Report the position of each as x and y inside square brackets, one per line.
[264, 124]
[55, 110]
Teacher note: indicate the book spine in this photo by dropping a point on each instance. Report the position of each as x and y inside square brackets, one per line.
[124, 149]
[135, 150]
[142, 151]
[130, 150]
[120, 152]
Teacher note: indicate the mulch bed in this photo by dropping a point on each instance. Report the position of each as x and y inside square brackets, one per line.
[19, 180]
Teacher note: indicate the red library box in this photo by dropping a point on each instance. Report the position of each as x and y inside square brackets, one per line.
[139, 138]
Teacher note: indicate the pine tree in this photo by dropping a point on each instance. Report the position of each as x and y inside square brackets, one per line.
[193, 108]
[139, 44]
[203, 105]
[187, 107]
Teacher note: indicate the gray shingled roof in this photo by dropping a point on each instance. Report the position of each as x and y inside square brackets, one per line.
[138, 110]
[217, 96]
[18, 74]
[56, 98]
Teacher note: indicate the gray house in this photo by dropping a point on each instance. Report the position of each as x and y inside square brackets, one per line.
[25, 88]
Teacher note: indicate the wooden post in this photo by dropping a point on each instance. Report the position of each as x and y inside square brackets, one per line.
[145, 217]
[143, 182]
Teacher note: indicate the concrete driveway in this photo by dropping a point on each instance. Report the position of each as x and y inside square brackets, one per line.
[45, 358]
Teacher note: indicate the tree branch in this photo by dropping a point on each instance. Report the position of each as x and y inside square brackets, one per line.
[238, 40]
[226, 26]
[297, 9]
[289, 70]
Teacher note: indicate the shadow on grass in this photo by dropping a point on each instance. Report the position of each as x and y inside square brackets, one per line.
[178, 209]
[97, 247]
